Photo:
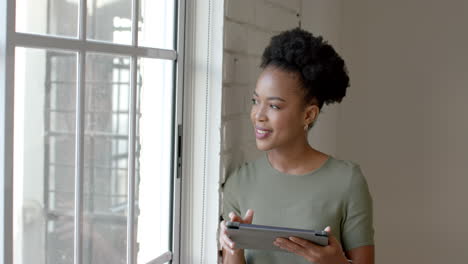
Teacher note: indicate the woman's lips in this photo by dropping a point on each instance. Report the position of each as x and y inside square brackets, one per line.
[261, 133]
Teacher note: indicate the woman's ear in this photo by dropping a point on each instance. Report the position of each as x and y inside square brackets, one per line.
[311, 113]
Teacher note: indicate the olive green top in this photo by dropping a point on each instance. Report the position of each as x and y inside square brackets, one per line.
[335, 195]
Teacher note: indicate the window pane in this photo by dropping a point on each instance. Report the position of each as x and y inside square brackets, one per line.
[105, 158]
[155, 139]
[47, 17]
[44, 151]
[156, 25]
[110, 20]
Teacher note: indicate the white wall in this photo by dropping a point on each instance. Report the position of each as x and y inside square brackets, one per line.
[405, 123]
[323, 18]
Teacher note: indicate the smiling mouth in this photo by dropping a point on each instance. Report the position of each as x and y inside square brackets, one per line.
[262, 133]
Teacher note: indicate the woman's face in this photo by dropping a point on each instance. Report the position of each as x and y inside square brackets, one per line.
[278, 112]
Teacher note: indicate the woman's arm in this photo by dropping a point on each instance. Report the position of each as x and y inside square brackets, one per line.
[231, 254]
[361, 255]
[236, 258]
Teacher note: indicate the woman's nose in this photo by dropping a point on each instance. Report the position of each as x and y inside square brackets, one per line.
[260, 114]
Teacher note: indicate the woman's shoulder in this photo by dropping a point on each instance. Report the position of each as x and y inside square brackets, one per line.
[245, 169]
[251, 166]
[347, 177]
[343, 164]
[345, 168]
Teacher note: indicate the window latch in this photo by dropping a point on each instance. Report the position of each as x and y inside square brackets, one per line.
[179, 150]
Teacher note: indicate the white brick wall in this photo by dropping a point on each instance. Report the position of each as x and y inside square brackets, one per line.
[257, 40]
[235, 103]
[290, 4]
[248, 27]
[235, 36]
[241, 10]
[275, 17]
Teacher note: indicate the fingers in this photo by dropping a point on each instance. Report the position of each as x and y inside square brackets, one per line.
[305, 243]
[332, 241]
[332, 253]
[248, 216]
[227, 244]
[234, 217]
[227, 248]
[290, 246]
[224, 240]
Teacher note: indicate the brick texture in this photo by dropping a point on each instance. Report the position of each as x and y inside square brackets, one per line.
[248, 27]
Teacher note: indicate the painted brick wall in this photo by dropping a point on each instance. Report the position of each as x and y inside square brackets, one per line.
[248, 27]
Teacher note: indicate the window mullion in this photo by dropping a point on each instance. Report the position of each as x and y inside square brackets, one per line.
[179, 86]
[79, 138]
[131, 239]
[53, 42]
[7, 65]
[79, 155]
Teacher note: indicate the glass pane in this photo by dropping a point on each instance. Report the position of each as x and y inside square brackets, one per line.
[105, 158]
[157, 24]
[47, 17]
[44, 151]
[110, 20]
[155, 132]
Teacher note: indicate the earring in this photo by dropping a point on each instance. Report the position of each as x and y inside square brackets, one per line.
[306, 127]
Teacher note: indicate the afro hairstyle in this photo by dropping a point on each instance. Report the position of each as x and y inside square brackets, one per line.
[322, 71]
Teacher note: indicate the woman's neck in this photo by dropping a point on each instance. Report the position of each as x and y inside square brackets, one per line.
[296, 160]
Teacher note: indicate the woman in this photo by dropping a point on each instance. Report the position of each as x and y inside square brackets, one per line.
[295, 185]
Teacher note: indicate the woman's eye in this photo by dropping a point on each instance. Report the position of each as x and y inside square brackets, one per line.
[274, 107]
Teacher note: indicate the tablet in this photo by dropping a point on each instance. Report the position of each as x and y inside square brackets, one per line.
[262, 237]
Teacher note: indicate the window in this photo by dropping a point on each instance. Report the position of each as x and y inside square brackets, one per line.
[94, 118]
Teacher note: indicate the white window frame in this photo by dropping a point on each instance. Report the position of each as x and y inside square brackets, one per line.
[201, 168]
[9, 39]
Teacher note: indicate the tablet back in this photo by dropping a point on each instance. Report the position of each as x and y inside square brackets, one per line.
[262, 237]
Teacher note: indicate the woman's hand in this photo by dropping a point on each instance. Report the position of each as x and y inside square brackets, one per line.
[224, 240]
[331, 254]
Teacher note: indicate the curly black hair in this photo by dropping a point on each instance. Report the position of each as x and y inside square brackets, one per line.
[322, 71]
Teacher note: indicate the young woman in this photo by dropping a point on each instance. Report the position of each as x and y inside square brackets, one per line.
[294, 185]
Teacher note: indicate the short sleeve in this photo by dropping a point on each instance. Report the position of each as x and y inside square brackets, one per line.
[358, 227]
[230, 194]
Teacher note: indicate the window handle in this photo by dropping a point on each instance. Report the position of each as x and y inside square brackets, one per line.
[164, 258]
